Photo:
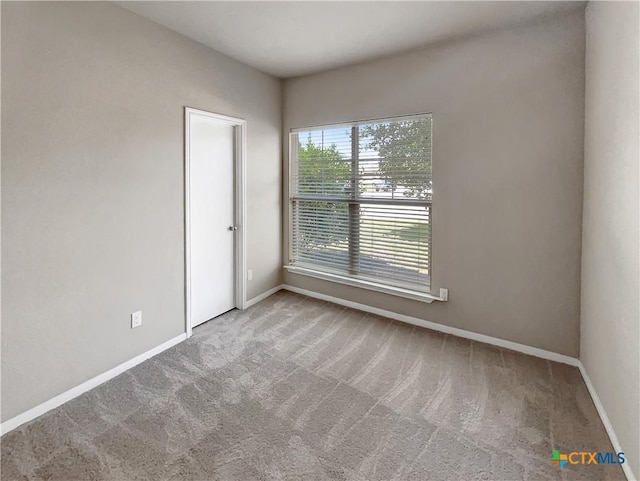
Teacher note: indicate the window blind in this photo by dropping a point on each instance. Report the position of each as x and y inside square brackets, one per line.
[361, 201]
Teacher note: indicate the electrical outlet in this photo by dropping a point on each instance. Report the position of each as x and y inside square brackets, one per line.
[250, 274]
[136, 319]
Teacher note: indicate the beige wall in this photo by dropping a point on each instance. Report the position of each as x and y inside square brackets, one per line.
[610, 330]
[92, 187]
[508, 110]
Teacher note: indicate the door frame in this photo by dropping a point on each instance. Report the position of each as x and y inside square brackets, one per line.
[239, 207]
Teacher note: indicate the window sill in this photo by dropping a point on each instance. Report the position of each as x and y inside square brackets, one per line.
[372, 286]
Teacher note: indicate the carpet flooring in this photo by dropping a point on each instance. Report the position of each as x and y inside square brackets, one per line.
[299, 389]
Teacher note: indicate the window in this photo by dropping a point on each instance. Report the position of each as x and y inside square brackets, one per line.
[361, 203]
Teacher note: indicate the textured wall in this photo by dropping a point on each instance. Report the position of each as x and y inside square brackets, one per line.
[508, 124]
[610, 318]
[92, 186]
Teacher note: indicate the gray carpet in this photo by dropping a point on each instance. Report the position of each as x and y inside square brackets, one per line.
[298, 389]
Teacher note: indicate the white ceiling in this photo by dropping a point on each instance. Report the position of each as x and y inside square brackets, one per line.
[288, 39]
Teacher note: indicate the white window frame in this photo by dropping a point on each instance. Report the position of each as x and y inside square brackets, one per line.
[343, 279]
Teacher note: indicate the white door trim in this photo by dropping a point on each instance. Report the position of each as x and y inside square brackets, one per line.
[239, 209]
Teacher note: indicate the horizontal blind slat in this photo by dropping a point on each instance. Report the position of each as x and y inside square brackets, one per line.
[387, 238]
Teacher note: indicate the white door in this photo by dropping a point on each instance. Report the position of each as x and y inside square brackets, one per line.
[211, 216]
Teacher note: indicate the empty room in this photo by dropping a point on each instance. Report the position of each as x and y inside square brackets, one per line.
[320, 240]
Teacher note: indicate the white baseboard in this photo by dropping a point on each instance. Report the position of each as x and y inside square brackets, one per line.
[514, 346]
[605, 420]
[72, 393]
[262, 296]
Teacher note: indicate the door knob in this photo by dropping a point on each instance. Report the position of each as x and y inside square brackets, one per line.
[233, 227]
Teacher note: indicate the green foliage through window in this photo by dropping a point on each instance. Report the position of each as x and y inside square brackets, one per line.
[381, 229]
